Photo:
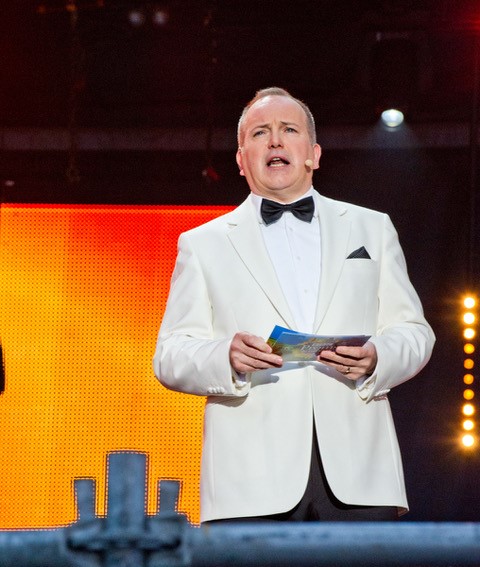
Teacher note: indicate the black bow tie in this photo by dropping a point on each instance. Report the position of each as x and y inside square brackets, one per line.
[272, 211]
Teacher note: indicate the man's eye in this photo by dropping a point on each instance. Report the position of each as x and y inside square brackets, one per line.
[258, 133]
[290, 129]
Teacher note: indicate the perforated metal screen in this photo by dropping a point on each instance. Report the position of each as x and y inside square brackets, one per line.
[83, 290]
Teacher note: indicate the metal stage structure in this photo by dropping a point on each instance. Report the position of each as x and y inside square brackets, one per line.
[127, 537]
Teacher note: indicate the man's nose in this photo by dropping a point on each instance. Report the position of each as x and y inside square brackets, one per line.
[275, 139]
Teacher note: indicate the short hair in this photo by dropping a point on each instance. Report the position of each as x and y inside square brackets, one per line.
[277, 91]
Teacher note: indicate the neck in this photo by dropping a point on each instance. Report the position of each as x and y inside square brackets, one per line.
[281, 197]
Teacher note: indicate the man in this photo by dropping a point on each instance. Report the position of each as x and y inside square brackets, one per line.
[292, 441]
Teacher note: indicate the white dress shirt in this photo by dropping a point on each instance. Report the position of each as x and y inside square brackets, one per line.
[294, 249]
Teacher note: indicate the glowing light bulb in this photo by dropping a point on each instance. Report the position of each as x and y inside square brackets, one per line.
[468, 440]
[469, 333]
[468, 409]
[469, 318]
[136, 18]
[160, 17]
[468, 394]
[392, 118]
[469, 348]
[468, 379]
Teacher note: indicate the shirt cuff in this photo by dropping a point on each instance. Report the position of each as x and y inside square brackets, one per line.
[239, 379]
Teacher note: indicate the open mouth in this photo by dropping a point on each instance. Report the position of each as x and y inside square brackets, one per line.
[277, 162]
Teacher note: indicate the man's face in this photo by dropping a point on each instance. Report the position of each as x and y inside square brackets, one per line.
[275, 147]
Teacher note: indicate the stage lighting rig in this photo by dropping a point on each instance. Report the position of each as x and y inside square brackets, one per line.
[148, 13]
[469, 318]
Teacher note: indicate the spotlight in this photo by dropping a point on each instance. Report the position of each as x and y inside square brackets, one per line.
[136, 18]
[392, 118]
[160, 16]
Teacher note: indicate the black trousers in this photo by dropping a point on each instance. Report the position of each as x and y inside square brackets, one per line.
[319, 504]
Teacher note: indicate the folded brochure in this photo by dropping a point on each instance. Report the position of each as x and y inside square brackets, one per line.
[294, 346]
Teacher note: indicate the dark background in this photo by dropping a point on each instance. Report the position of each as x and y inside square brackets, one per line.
[95, 110]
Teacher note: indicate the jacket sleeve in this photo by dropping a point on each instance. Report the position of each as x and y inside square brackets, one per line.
[189, 357]
[404, 340]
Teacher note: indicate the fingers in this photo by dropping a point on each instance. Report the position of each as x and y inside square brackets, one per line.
[352, 362]
[249, 353]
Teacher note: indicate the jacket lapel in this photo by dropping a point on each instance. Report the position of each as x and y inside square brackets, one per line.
[246, 238]
[335, 232]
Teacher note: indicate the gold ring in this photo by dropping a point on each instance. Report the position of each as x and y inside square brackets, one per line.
[347, 371]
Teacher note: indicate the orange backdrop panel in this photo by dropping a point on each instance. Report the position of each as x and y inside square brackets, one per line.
[83, 289]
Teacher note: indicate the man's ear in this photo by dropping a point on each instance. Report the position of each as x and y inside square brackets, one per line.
[317, 152]
[239, 161]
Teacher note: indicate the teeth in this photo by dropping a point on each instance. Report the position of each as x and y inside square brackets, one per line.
[277, 161]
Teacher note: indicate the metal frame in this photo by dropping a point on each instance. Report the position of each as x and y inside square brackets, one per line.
[128, 537]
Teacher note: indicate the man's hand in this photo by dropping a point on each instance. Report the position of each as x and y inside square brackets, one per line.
[353, 362]
[249, 353]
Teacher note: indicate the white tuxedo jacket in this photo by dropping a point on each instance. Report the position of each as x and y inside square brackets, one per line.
[258, 433]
